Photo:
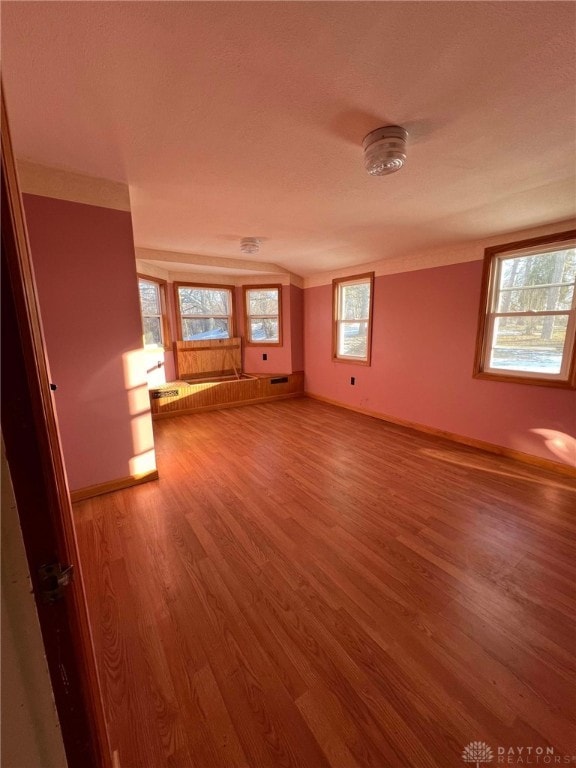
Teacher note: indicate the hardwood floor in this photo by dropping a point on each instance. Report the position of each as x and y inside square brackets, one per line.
[308, 587]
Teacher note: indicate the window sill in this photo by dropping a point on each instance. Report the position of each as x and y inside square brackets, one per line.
[520, 379]
[263, 344]
[350, 361]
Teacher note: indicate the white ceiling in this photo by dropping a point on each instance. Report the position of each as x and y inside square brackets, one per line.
[233, 119]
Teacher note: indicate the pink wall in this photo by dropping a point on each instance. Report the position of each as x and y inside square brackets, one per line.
[297, 327]
[85, 269]
[424, 337]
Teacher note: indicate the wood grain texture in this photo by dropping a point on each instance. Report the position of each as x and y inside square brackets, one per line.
[209, 357]
[511, 453]
[112, 485]
[181, 397]
[309, 587]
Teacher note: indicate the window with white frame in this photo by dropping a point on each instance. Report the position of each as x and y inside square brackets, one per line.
[352, 326]
[528, 312]
[205, 311]
[153, 311]
[263, 314]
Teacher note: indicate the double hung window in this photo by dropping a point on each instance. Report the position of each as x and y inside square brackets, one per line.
[205, 311]
[153, 310]
[263, 314]
[528, 312]
[352, 312]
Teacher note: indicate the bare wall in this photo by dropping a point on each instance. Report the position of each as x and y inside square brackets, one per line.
[297, 327]
[424, 336]
[83, 258]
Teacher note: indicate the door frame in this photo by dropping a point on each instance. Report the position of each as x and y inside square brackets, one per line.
[34, 456]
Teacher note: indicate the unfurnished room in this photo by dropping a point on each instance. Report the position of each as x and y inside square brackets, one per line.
[288, 384]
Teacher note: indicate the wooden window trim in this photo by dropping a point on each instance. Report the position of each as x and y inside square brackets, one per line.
[163, 288]
[247, 340]
[486, 291]
[336, 283]
[213, 286]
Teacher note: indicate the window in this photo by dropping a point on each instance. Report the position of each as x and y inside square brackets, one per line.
[263, 314]
[205, 311]
[352, 330]
[153, 310]
[528, 312]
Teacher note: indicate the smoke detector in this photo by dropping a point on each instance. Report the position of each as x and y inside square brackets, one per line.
[385, 150]
[249, 245]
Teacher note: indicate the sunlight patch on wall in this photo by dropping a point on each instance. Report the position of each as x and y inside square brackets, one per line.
[143, 455]
[138, 401]
[134, 365]
[559, 443]
[142, 464]
[155, 367]
[142, 435]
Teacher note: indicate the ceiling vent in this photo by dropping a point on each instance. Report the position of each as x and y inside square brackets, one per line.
[249, 245]
[385, 150]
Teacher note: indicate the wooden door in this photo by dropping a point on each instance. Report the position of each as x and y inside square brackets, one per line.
[35, 459]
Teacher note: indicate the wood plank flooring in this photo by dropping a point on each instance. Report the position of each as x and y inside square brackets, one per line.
[308, 587]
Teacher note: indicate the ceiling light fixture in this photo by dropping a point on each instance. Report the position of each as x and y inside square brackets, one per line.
[385, 150]
[249, 245]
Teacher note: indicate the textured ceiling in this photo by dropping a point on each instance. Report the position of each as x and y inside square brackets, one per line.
[246, 119]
